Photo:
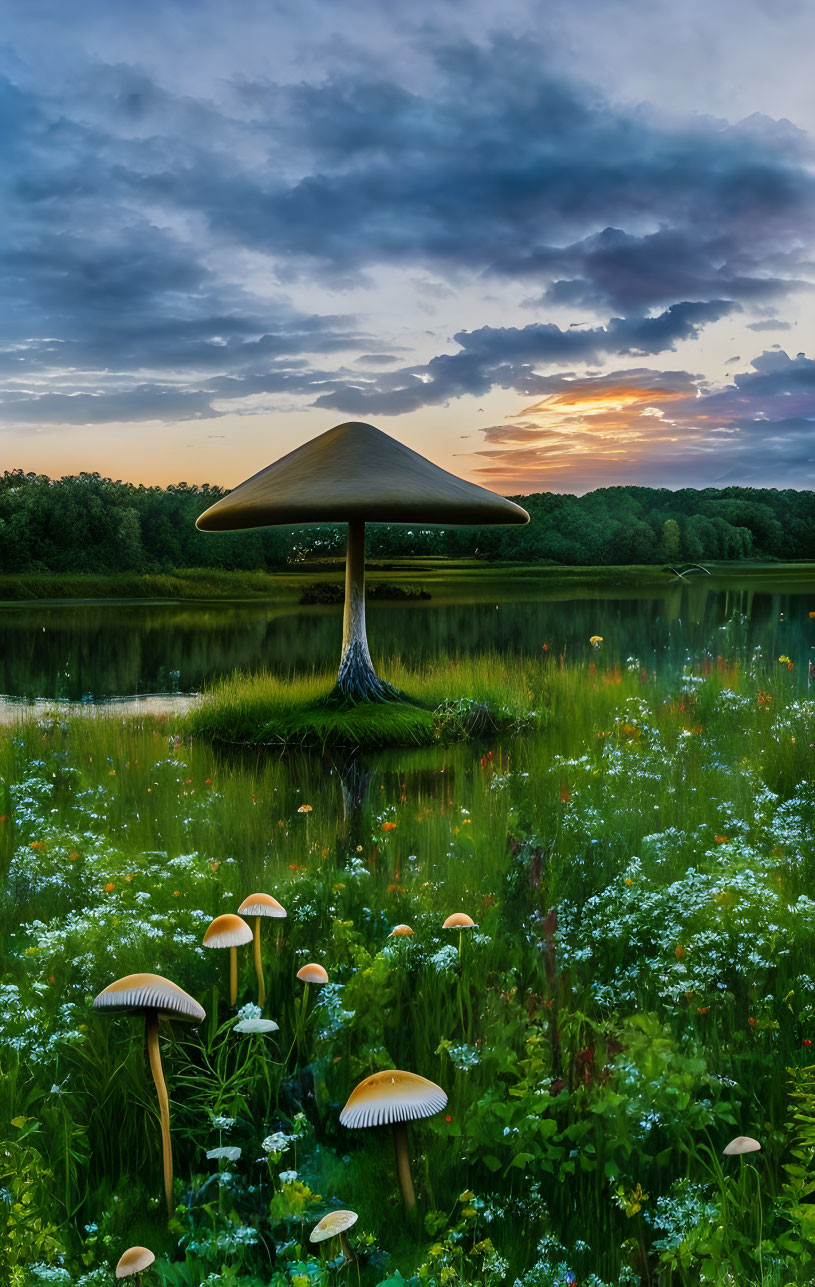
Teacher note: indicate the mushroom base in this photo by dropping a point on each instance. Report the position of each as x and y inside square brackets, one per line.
[357, 681]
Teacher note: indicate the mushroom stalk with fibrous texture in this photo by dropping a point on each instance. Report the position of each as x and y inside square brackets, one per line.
[155, 998]
[229, 931]
[310, 973]
[259, 905]
[392, 1098]
[356, 474]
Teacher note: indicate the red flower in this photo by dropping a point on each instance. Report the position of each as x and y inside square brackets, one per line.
[806, 1042]
[448, 1118]
[751, 1022]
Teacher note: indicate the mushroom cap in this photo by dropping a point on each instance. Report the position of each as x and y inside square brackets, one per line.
[262, 905]
[332, 1224]
[399, 930]
[742, 1144]
[392, 1096]
[312, 973]
[355, 471]
[227, 931]
[149, 992]
[134, 1261]
[459, 920]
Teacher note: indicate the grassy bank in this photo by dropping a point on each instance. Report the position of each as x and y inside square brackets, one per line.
[468, 698]
[443, 578]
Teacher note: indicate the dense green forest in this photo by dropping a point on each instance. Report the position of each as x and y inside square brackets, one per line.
[92, 524]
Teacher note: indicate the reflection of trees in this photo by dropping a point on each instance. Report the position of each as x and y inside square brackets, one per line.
[113, 649]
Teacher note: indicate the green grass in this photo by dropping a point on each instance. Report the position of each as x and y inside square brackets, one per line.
[595, 1064]
[444, 703]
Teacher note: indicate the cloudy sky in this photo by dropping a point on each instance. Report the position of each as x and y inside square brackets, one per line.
[552, 247]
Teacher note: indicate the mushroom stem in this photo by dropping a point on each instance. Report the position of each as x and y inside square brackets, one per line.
[259, 966]
[345, 1248]
[357, 681]
[400, 1144]
[233, 975]
[153, 1054]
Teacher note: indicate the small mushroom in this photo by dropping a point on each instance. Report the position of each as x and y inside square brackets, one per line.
[399, 930]
[460, 921]
[258, 905]
[310, 973]
[741, 1144]
[134, 1261]
[229, 931]
[392, 1098]
[155, 998]
[335, 1225]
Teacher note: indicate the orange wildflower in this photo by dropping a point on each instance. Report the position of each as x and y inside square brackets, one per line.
[109, 887]
[304, 808]
[680, 952]
[388, 826]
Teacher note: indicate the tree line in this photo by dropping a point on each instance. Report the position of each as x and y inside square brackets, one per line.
[86, 523]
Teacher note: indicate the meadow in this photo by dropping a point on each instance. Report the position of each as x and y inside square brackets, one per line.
[637, 989]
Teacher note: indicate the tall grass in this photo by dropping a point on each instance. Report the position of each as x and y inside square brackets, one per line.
[596, 1057]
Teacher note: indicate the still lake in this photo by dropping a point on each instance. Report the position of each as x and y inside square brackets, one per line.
[101, 649]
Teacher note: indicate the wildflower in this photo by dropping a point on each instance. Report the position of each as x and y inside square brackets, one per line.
[112, 773]
[545, 647]
[304, 808]
[702, 1009]
[176, 893]
[208, 782]
[448, 1118]
[214, 865]
[564, 792]
[722, 840]
[628, 880]
[786, 661]
[751, 1022]
[680, 952]
[388, 826]
[109, 887]
[37, 844]
[595, 640]
[806, 1042]
[73, 857]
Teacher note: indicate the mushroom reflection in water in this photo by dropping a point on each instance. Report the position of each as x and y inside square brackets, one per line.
[335, 1225]
[156, 998]
[134, 1262]
[392, 1098]
[259, 905]
[229, 931]
[356, 474]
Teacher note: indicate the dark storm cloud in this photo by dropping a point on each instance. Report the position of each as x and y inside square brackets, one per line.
[508, 357]
[137, 218]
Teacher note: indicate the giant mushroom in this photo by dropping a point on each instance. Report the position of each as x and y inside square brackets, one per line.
[356, 474]
[156, 998]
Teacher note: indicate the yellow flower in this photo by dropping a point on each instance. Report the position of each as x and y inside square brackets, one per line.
[595, 640]
[304, 808]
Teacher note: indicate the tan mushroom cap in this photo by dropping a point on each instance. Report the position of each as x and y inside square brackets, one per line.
[459, 920]
[399, 930]
[742, 1144]
[392, 1096]
[149, 992]
[331, 1225]
[262, 905]
[134, 1261]
[312, 973]
[227, 931]
[355, 471]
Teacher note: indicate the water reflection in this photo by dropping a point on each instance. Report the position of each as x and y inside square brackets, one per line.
[107, 649]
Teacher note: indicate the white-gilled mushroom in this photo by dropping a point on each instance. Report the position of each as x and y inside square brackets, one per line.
[356, 474]
[155, 998]
[392, 1098]
[134, 1261]
[229, 931]
[259, 905]
[312, 973]
[335, 1225]
[400, 931]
